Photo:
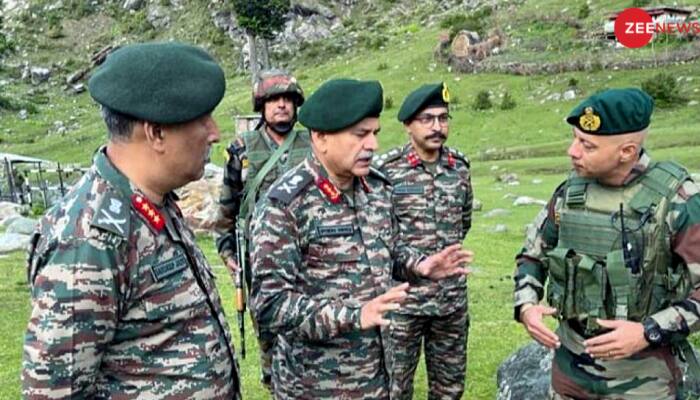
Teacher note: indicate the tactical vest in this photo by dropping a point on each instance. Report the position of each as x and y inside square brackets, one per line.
[590, 276]
[258, 152]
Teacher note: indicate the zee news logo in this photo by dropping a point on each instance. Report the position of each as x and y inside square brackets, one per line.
[635, 28]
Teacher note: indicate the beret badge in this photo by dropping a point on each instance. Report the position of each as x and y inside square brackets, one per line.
[589, 121]
[445, 94]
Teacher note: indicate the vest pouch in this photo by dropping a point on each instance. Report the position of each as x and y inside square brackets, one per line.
[589, 289]
[559, 267]
[623, 285]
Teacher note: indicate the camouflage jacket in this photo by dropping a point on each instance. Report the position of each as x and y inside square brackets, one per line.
[236, 177]
[124, 303]
[676, 321]
[319, 255]
[434, 211]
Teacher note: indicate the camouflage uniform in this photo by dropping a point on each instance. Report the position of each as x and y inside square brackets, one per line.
[318, 256]
[655, 372]
[434, 211]
[239, 171]
[237, 174]
[124, 304]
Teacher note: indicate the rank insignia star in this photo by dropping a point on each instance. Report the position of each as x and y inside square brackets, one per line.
[148, 211]
[328, 189]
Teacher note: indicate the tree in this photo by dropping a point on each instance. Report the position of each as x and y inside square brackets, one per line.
[4, 43]
[261, 19]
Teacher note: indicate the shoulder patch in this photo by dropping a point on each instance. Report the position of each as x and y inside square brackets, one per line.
[290, 185]
[459, 155]
[375, 173]
[389, 156]
[112, 215]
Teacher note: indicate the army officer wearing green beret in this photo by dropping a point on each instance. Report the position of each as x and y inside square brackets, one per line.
[432, 199]
[617, 247]
[325, 247]
[124, 303]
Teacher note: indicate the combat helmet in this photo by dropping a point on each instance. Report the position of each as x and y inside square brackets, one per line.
[272, 82]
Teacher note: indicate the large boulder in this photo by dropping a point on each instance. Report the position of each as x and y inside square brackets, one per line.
[22, 226]
[199, 200]
[10, 242]
[8, 210]
[526, 374]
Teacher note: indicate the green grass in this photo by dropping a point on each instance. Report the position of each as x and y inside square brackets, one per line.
[530, 140]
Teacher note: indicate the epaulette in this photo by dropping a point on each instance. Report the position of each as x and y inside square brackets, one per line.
[112, 215]
[459, 155]
[290, 185]
[375, 173]
[389, 156]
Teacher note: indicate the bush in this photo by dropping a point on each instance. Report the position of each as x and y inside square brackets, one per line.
[508, 103]
[573, 82]
[482, 101]
[475, 22]
[388, 103]
[640, 3]
[382, 66]
[584, 11]
[664, 89]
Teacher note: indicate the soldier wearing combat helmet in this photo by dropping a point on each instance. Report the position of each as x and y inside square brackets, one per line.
[255, 160]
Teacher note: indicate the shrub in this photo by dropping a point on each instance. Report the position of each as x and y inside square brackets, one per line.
[475, 22]
[573, 82]
[482, 101]
[508, 103]
[388, 103]
[584, 11]
[664, 89]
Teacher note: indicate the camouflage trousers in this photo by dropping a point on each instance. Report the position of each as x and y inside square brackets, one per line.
[445, 341]
[649, 374]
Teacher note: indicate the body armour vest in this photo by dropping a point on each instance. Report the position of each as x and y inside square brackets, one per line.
[613, 259]
[258, 152]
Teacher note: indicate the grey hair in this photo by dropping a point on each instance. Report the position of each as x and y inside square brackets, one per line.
[119, 125]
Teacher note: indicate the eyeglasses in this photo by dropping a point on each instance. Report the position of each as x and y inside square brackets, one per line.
[427, 119]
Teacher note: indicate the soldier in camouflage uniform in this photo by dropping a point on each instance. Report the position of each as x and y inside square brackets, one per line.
[124, 303]
[325, 246]
[433, 202]
[276, 95]
[618, 247]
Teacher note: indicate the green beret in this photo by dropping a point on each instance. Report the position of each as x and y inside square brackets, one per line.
[166, 83]
[340, 103]
[613, 112]
[422, 98]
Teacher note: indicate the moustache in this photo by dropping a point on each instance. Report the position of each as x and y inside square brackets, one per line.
[436, 135]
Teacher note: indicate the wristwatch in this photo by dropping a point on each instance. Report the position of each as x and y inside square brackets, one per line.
[652, 332]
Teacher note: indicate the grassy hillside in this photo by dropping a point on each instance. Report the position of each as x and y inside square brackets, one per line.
[529, 140]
